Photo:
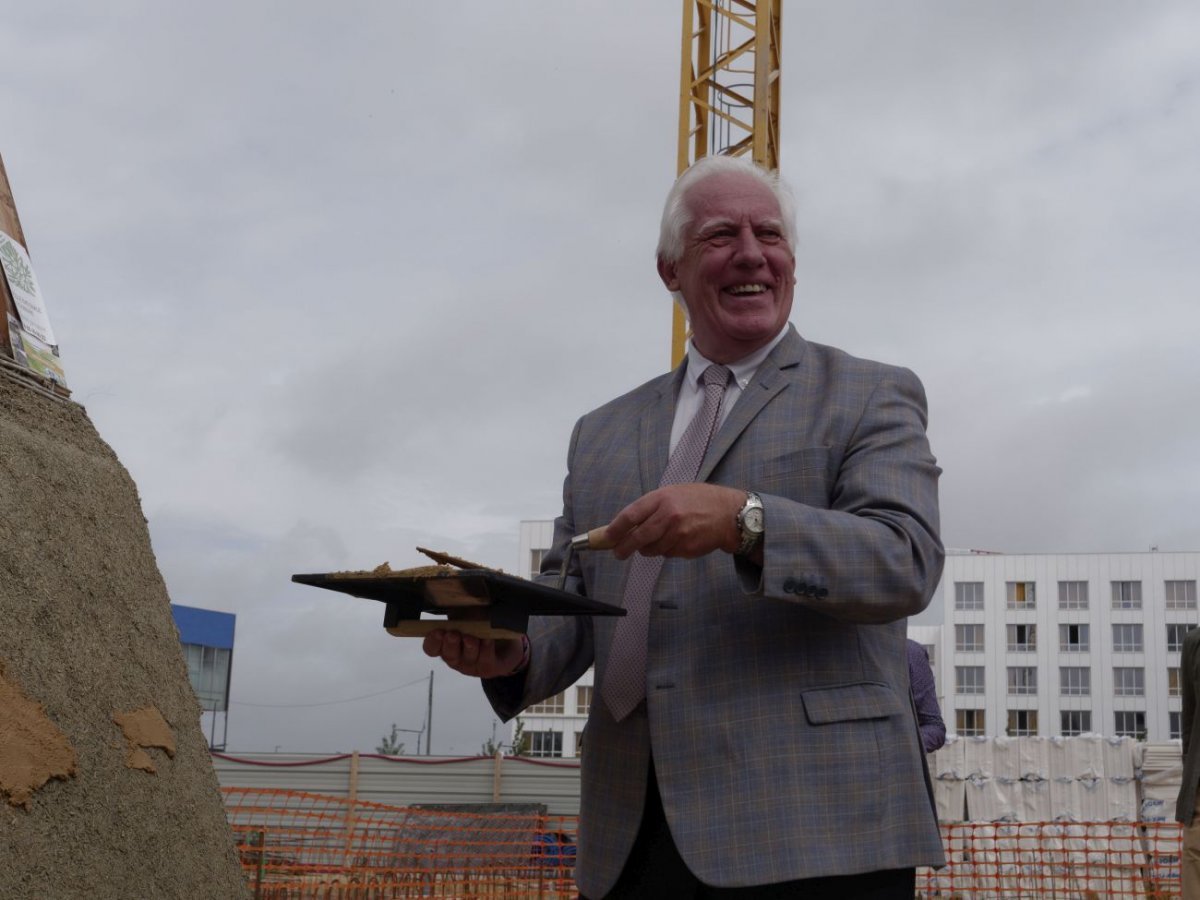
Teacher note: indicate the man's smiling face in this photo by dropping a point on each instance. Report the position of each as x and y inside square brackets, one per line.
[737, 272]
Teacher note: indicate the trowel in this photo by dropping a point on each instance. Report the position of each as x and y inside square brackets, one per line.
[596, 539]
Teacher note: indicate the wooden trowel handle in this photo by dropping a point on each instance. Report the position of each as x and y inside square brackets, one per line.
[596, 539]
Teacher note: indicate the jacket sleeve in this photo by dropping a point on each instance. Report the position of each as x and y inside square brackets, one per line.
[924, 691]
[874, 555]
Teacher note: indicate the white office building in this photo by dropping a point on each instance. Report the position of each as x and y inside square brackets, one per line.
[1064, 644]
[1028, 644]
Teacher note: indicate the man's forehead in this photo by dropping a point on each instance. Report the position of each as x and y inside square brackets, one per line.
[730, 198]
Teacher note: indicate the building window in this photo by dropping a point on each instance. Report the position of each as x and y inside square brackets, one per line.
[1022, 680]
[1022, 637]
[1073, 638]
[1072, 595]
[579, 743]
[968, 637]
[545, 743]
[1075, 681]
[1174, 689]
[969, 722]
[968, 595]
[1176, 725]
[1022, 722]
[550, 706]
[1126, 595]
[535, 560]
[1175, 635]
[1129, 681]
[1181, 594]
[1020, 595]
[1131, 724]
[1127, 638]
[1076, 721]
[208, 673]
[583, 699]
[968, 679]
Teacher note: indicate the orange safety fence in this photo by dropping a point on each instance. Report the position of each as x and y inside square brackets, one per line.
[300, 845]
[1059, 860]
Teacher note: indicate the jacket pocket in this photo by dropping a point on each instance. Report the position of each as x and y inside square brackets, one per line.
[848, 702]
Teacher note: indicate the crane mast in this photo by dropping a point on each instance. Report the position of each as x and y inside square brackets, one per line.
[728, 91]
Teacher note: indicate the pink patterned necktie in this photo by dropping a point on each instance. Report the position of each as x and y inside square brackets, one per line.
[625, 676]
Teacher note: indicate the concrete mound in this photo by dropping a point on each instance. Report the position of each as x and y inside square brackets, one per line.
[106, 785]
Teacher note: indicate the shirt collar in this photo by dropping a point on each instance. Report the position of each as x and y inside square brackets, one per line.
[743, 370]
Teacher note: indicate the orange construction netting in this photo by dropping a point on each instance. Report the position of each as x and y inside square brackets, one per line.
[1063, 860]
[301, 845]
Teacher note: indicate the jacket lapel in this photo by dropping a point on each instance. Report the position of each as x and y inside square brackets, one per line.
[771, 378]
[655, 429]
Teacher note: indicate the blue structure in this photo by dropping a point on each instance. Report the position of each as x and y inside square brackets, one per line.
[207, 639]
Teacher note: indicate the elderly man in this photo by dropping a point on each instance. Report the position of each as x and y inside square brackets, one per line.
[773, 504]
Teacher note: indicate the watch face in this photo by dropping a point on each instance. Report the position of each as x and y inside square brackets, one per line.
[753, 520]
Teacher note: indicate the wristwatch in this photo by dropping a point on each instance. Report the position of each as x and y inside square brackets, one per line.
[750, 523]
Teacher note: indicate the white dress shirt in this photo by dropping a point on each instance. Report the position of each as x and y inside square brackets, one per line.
[691, 392]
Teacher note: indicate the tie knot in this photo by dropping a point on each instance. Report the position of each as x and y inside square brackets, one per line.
[715, 374]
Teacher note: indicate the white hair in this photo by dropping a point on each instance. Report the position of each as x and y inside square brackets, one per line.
[677, 216]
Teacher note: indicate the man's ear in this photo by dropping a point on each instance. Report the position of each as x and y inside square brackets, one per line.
[668, 272]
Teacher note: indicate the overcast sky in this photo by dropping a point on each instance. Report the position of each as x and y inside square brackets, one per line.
[335, 280]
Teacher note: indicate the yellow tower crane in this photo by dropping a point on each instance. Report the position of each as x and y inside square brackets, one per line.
[728, 91]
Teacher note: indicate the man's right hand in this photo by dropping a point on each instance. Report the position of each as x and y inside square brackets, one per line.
[681, 520]
[477, 657]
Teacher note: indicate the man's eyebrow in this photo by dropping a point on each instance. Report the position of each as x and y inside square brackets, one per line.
[713, 225]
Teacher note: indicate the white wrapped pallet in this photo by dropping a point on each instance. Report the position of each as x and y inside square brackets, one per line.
[1006, 758]
[1093, 798]
[1117, 756]
[1066, 802]
[1161, 775]
[1033, 758]
[988, 800]
[946, 767]
[1085, 756]
[977, 758]
[949, 796]
[1035, 800]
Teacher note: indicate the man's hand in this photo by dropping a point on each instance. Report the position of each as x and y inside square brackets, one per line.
[477, 657]
[684, 520]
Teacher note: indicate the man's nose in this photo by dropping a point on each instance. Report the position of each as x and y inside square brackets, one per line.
[748, 251]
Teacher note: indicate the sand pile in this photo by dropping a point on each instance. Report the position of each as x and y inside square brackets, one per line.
[106, 786]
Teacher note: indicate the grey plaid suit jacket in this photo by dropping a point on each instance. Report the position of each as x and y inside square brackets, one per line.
[777, 703]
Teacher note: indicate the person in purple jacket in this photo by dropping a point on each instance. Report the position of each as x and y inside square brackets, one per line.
[924, 692]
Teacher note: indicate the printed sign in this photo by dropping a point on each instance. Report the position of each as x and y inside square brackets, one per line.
[33, 354]
[25, 292]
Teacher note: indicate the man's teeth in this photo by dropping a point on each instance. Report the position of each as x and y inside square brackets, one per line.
[747, 289]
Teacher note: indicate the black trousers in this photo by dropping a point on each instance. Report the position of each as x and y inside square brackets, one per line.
[655, 871]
